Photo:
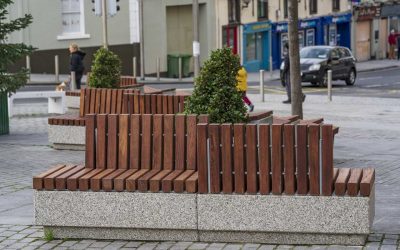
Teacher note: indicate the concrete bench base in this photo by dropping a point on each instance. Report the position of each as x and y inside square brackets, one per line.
[194, 217]
[67, 137]
[72, 102]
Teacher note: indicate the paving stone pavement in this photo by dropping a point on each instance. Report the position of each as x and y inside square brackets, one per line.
[25, 152]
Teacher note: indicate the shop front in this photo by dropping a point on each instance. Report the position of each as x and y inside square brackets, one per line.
[309, 35]
[337, 30]
[230, 37]
[256, 46]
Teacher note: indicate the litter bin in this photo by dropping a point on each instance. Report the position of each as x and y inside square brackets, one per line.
[4, 122]
[173, 65]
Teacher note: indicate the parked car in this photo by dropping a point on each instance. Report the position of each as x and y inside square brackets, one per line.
[315, 61]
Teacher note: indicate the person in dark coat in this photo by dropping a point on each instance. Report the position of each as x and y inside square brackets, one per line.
[286, 73]
[76, 63]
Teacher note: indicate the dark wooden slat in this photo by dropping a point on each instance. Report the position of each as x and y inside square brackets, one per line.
[353, 185]
[49, 180]
[38, 179]
[179, 182]
[87, 101]
[108, 101]
[215, 158]
[107, 182]
[101, 146]
[155, 181]
[95, 181]
[147, 99]
[114, 97]
[98, 100]
[82, 103]
[157, 159]
[341, 181]
[112, 142]
[72, 181]
[313, 158]
[191, 183]
[182, 103]
[90, 152]
[277, 161]
[125, 102]
[84, 181]
[166, 183]
[301, 160]
[153, 104]
[119, 181]
[131, 104]
[144, 181]
[180, 147]
[159, 104]
[239, 156]
[170, 104]
[134, 144]
[202, 161]
[120, 93]
[123, 146]
[289, 159]
[103, 101]
[169, 158]
[61, 180]
[92, 101]
[191, 142]
[176, 104]
[131, 182]
[327, 160]
[251, 158]
[165, 104]
[226, 158]
[136, 100]
[264, 159]
[142, 104]
[367, 182]
[146, 142]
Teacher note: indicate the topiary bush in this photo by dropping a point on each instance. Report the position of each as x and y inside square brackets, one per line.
[106, 70]
[215, 90]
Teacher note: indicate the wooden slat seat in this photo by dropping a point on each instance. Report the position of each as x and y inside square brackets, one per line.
[67, 120]
[253, 116]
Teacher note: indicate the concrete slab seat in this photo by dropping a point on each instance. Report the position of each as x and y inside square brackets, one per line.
[176, 177]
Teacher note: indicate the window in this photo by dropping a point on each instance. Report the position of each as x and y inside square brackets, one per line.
[285, 8]
[254, 47]
[234, 11]
[73, 21]
[335, 5]
[313, 6]
[263, 9]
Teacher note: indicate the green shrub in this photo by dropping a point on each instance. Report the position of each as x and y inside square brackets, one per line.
[106, 70]
[215, 90]
[48, 235]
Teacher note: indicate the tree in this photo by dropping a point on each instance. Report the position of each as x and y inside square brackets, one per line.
[294, 54]
[11, 53]
[106, 69]
[215, 90]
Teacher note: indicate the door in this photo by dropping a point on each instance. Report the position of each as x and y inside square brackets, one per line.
[310, 37]
[301, 39]
[363, 41]
[332, 35]
[229, 38]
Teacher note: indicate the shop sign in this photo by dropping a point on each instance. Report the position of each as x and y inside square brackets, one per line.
[302, 25]
[257, 27]
[367, 12]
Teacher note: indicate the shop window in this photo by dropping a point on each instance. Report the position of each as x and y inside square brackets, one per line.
[234, 11]
[254, 47]
[313, 6]
[229, 38]
[335, 5]
[285, 8]
[262, 9]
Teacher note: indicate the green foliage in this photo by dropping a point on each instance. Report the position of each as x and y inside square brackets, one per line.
[11, 53]
[48, 234]
[106, 69]
[215, 90]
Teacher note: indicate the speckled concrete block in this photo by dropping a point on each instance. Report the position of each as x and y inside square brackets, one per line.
[72, 102]
[123, 234]
[115, 210]
[67, 137]
[288, 214]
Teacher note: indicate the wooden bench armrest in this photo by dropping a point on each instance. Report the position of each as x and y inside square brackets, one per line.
[137, 85]
[259, 115]
[312, 121]
[285, 119]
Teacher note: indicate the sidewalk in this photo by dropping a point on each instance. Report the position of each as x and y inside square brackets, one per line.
[372, 65]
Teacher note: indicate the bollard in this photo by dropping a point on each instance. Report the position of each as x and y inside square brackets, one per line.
[28, 66]
[330, 85]
[180, 68]
[158, 69]
[73, 81]
[134, 66]
[57, 69]
[262, 85]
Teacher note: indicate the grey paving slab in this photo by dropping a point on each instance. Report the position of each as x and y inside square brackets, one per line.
[198, 246]
[267, 247]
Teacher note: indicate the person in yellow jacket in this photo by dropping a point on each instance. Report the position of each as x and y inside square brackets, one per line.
[242, 87]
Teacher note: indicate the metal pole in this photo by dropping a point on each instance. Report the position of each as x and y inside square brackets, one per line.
[262, 85]
[28, 66]
[57, 68]
[141, 39]
[270, 56]
[73, 81]
[134, 66]
[180, 68]
[104, 19]
[330, 85]
[158, 69]
[196, 43]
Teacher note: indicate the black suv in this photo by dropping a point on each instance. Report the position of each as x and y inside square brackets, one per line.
[315, 61]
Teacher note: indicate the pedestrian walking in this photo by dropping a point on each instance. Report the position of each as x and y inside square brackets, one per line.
[392, 44]
[76, 63]
[286, 73]
[242, 87]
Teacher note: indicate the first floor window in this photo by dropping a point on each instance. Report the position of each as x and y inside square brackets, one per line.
[72, 16]
[335, 5]
[285, 8]
[263, 9]
[313, 6]
[234, 11]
